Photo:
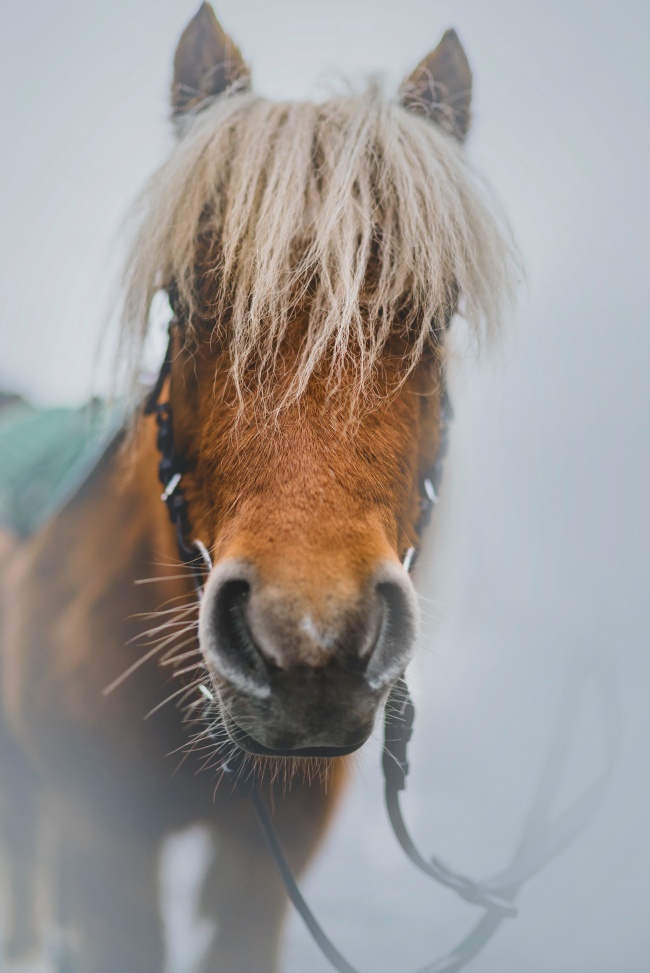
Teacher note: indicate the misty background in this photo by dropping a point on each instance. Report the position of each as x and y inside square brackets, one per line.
[539, 546]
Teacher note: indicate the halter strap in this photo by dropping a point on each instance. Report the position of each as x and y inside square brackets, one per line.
[171, 468]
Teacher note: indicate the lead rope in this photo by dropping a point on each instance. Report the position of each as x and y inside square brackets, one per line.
[542, 838]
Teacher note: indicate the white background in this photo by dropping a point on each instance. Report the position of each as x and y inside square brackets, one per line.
[540, 545]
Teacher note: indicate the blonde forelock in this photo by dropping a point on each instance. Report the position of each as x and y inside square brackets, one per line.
[353, 208]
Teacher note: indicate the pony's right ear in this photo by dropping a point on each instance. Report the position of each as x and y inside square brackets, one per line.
[206, 63]
[440, 88]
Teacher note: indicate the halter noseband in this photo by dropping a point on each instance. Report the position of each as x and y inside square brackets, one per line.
[543, 838]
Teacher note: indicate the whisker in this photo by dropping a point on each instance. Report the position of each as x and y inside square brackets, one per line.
[178, 749]
[192, 668]
[159, 612]
[170, 638]
[176, 648]
[191, 595]
[179, 692]
[179, 620]
[164, 577]
[128, 672]
[180, 658]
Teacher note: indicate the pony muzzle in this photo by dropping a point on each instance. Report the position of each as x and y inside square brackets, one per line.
[296, 675]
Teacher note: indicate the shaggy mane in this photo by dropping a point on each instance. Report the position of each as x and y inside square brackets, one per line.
[354, 212]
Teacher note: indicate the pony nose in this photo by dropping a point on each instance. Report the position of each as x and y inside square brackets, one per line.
[252, 630]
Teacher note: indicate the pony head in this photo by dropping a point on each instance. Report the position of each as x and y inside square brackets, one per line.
[315, 254]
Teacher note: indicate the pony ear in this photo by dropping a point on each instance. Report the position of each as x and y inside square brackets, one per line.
[441, 87]
[206, 63]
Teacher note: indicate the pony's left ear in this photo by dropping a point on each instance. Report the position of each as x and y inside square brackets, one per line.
[207, 62]
[441, 87]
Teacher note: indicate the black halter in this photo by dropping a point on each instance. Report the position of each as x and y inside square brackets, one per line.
[543, 838]
[171, 468]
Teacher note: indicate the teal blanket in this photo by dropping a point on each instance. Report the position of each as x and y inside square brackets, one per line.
[45, 456]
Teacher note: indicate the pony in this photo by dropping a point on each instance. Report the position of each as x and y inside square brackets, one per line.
[314, 255]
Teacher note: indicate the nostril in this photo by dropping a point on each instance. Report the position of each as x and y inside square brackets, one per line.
[395, 644]
[234, 644]
[395, 607]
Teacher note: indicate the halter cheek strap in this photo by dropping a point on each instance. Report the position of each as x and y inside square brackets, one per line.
[543, 837]
[171, 468]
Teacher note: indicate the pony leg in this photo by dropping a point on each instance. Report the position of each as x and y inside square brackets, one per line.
[18, 823]
[243, 892]
[244, 896]
[22, 935]
[18, 827]
[107, 896]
